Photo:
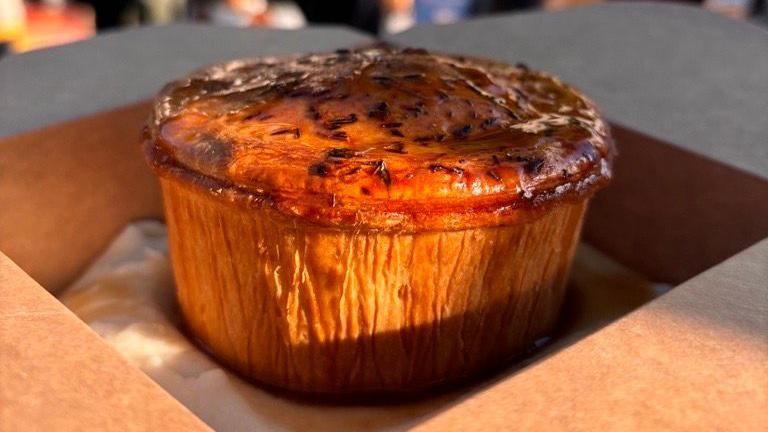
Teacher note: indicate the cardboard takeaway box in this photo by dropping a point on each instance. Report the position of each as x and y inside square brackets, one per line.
[695, 358]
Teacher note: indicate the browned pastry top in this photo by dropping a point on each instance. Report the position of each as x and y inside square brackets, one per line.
[382, 138]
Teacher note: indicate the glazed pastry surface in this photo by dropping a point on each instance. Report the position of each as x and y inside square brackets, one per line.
[382, 138]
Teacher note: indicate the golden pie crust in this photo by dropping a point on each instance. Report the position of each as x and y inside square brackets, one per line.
[373, 220]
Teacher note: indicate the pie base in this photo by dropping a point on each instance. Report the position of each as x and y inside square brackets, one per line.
[325, 310]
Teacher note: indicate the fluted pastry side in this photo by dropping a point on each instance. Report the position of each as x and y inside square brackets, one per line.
[325, 310]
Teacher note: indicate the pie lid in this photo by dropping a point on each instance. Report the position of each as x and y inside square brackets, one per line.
[382, 138]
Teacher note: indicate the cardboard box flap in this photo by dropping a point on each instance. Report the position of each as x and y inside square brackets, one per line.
[696, 356]
[58, 375]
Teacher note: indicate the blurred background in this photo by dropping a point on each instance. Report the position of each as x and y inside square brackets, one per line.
[29, 25]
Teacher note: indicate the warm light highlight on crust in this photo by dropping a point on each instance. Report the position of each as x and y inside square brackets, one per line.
[323, 310]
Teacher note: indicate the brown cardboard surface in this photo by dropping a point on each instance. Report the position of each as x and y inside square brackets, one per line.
[671, 214]
[67, 189]
[57, 375]
[695, 357]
